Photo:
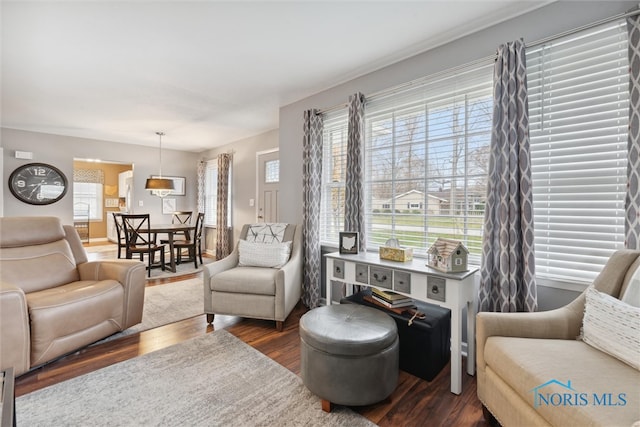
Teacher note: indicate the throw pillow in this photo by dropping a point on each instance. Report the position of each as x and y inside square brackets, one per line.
[255, 254]
[632, 293]
[612, 326]
[266, 232]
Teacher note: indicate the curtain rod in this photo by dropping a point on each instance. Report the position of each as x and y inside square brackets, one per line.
[397, 88]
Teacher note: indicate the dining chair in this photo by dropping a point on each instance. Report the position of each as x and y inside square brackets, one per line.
[194, 245]
[120, 235]
[180, 217]
[140, 240]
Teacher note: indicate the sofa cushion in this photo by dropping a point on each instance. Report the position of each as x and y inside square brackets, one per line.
[631, 290]
[599, 389]
[269, 255]
[612, 326]
[58, 315]
[246, 280]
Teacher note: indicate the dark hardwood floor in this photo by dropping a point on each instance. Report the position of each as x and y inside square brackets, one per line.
[415, 402]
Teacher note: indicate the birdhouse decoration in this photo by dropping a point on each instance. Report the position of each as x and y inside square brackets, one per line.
[448, 255]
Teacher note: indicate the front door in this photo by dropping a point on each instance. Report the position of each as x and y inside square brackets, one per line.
[268, 186]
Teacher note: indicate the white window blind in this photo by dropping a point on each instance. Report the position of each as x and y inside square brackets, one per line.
[211, 193]
[334, 161]
[578, 112]
[426, 161]
[87, 196]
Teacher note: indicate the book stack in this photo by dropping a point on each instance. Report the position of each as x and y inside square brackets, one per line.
[390, 299]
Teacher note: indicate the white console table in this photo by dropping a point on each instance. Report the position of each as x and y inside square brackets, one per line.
[454, 291]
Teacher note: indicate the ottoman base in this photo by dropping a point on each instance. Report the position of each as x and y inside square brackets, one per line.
[350, 380]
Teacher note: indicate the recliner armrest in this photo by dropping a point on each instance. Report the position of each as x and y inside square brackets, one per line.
[130, 274]
[562, 323]
[15, 347]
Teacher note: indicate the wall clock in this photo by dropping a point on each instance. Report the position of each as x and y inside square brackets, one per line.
[38, 184]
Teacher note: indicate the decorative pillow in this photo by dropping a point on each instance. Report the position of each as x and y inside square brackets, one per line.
[612, 326]
[255, 254]
[632, 293]
[266, 232]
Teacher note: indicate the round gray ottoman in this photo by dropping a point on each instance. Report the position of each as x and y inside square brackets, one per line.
[349, 354]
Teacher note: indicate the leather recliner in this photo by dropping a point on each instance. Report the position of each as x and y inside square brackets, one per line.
[52, 300]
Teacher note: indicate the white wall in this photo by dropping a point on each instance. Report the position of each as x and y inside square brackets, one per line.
[243, 181]
[60, 151]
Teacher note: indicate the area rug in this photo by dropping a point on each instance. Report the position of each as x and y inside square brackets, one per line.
[168, 303]
[211, 380]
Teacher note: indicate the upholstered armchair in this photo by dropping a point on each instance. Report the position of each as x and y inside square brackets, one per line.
[258, 292]
[53, 301]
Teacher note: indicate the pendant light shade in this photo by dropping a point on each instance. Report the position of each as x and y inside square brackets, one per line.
[159, 186]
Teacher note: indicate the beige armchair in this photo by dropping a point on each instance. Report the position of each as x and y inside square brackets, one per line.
[52, 300]
[255, 292]
[520, 355]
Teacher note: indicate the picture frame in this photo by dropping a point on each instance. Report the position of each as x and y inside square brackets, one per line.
[168, 206]
[179, 185]
[348, 242]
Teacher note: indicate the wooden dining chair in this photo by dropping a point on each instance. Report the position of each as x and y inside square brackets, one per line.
[180, 217]
[140, 240]
[194, 245]
[120, 235]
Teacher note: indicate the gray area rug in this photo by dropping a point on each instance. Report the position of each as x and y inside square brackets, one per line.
[212, 380]
[168, 303]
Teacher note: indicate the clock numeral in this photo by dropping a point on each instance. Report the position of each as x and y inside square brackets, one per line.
[20, 183]
[40, 172]
[39, 196]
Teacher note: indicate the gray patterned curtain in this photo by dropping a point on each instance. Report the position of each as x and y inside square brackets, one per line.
[354, 181]
[223, 244]
[311, 189]
[202, 169]
[507, 280]
[632, 202]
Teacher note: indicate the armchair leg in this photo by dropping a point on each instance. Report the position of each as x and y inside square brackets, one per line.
[210, 318]
[279, 325]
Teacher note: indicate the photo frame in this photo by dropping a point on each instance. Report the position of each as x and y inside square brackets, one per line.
[348, 242]
[179, 185]
[168, 206]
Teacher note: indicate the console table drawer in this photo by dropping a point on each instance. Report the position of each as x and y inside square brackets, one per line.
[402, 281]
[362, 273]
[437, 288]
[380, 277]
[338, 269]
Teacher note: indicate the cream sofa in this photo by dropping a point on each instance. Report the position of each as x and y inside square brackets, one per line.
[255, 292]
[533, 371]
[52, 300]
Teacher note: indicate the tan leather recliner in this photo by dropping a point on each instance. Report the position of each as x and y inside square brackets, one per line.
[52, 300]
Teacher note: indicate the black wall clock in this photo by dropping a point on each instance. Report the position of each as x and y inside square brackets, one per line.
[38, 184]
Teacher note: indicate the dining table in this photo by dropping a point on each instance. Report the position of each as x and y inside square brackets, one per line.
[171, 230]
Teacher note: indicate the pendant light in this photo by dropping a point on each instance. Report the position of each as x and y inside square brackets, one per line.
[159, 186]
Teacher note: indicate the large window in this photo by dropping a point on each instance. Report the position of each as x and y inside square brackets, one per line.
[211, 194]
[578, 112]
[426, 157]
[426, 151]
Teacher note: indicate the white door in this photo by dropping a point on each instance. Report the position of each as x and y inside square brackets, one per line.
[268, 186]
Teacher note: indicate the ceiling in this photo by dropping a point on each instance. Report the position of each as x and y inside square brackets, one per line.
[207, 73]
